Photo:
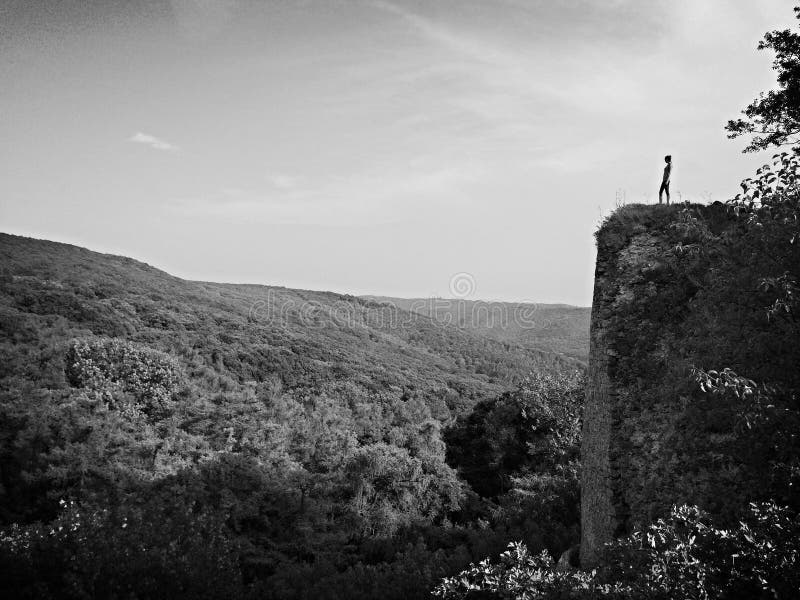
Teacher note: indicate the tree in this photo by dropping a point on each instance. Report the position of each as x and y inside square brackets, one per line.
[773, 119]
[534, 429]
[139, 550]
[390, 489]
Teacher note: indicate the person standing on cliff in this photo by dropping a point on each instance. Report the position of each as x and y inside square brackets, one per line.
[665, 181]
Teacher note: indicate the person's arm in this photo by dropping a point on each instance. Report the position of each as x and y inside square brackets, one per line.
[667, 172]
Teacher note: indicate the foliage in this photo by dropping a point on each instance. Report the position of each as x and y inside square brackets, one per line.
[767, 422]
[687, 556]
[151, 551]
[535, 428]
[298, 433]
[105, 365]
[684, 555]
[767, 215]
[518, 574]
[391, 488]
[552, 327]
[83, 443]
[770, 209]
[774, 118]
[522, 451]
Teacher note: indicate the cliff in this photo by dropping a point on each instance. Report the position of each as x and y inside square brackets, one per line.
[677, 289]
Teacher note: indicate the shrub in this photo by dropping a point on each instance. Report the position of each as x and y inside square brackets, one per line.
[682, 556]
[128, 552]
[519, 575]
[109, 365]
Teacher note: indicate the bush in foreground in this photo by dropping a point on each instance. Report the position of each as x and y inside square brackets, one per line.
[682, 556]
[143, 552]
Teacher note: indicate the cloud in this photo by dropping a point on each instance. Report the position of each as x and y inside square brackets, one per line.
[580, 158]
[515, 83]
[152, 141]
[347, 200]
[200, 20]
[281, 181]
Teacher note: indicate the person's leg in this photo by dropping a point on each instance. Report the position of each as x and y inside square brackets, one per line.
[661, 191]
[666, 189]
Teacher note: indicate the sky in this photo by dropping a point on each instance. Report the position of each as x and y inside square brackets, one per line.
[369, 146]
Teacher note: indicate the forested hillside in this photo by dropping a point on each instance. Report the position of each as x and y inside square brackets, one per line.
[308, 340]
[167, 438]
[557, 328]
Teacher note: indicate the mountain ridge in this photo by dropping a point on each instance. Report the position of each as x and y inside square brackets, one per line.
[559, 328]
[119, 296]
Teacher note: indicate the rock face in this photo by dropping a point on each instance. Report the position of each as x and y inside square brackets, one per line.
[665, 302]
[598, 520]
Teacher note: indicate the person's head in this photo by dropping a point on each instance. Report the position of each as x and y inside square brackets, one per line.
[668, 158]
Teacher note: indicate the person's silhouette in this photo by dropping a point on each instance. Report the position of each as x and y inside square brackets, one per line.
[665, 180]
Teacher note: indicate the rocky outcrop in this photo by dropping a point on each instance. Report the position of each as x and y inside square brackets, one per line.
[598, 521]
[605, 508]
[666, 300]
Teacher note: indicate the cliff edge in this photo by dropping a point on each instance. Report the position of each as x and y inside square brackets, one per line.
[678, 291]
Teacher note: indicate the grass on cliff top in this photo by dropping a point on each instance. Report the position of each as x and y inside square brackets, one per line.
[631, 219]
[630, 215]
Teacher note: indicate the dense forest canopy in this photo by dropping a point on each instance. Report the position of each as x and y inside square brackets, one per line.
[166, 438]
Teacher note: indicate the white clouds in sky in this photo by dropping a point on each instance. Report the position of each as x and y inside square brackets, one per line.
[361, 199]
[509, 81]
[152, 141]
[200, 20]
[281, 181]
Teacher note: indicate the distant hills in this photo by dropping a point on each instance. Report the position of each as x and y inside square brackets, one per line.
[318, 341]
[558, 328]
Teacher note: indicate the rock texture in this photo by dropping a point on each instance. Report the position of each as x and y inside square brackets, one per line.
[666, 300]
[598, 521]
[629, 272]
